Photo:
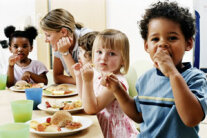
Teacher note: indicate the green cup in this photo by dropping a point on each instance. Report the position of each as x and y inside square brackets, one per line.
[22, 110]
[3, 79]
[14, 130]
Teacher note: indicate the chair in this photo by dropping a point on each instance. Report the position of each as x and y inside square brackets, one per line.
[131, 77]
[135, 71]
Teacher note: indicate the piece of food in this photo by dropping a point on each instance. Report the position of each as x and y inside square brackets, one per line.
[61, 118]
[52, 128]
[37, 85]
[63, 87]
[73, 125]
[33, 124]
[21, 84]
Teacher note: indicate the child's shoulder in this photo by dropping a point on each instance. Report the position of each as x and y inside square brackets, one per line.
[193, 73]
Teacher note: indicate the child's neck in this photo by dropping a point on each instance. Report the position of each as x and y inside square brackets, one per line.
[24, 62]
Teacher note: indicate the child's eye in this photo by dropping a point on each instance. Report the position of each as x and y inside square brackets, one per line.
[99, 52]
[155, 39]
[112, 53]
[25, 46]
[173, 38]
[15, 46]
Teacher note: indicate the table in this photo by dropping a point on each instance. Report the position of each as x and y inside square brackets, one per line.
[6, 96]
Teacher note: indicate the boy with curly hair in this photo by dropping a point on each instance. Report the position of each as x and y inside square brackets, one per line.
[172, 96]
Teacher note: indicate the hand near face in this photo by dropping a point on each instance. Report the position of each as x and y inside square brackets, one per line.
[13, 59]
[87, 72]
[76, 69]
[112, 83]
[163, 61]
[64, 44]
[26, 76]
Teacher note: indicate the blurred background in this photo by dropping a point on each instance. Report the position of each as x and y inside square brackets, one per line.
[97, 15]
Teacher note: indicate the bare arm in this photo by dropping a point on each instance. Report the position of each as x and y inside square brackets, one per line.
[13, 59]
[76, 68]
[58, 73]
[42, 78]
[69, 61]
[125, 101]
[93, 103]
[10, 76]
[63, 45]
[183, 96]
[184, 99]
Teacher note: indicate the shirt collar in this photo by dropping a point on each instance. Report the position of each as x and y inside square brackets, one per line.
[187, 65]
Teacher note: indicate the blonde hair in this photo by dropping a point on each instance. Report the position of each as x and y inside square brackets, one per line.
[116, 40]
[58, 18]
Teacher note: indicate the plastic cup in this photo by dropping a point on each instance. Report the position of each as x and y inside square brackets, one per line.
[14, 130]
[34, 94]
[3, 79]
[22, 110]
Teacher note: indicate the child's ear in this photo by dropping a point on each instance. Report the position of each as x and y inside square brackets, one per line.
[189, 44]
[146, 46]
[31, 48]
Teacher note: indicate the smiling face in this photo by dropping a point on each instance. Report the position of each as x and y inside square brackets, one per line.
[165, 34]
[20, 46]
[107, 60]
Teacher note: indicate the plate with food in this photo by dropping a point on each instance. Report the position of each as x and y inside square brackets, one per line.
[21, 85]
[52, 106]
[60, 124]
[60, 90]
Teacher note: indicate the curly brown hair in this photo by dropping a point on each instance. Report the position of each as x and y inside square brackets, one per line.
[86, 42]
[171, 11]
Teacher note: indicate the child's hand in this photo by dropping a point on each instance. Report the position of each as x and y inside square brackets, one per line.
[64, 44]
[26, 76]
[13, 59]
[163, 61]
[87, 72]
[112, 83]
[76, 69]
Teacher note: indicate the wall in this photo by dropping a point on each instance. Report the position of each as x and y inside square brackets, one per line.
[18, 13]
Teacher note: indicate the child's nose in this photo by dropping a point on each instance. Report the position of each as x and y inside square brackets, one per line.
[163, 45]
[19, 48]
[104, 56]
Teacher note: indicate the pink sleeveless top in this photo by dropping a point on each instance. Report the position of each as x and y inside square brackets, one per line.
[113, 121]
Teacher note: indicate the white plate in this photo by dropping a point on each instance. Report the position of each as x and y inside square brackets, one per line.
[13, 88]
[65, 95]
[86, 122]
[42, 106]
[72, 87]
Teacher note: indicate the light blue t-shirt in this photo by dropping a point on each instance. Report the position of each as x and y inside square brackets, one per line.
[155, 101]
[78, 33]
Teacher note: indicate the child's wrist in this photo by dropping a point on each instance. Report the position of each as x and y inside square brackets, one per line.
[11, 66]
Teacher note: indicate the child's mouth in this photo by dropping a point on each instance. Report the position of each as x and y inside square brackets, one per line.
[21, 55]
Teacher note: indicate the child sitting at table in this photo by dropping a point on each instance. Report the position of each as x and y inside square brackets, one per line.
[172, 96]
[84, 56]
[20, 66]
[110, 55]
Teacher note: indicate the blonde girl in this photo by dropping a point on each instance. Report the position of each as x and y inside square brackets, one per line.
[110, 56]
